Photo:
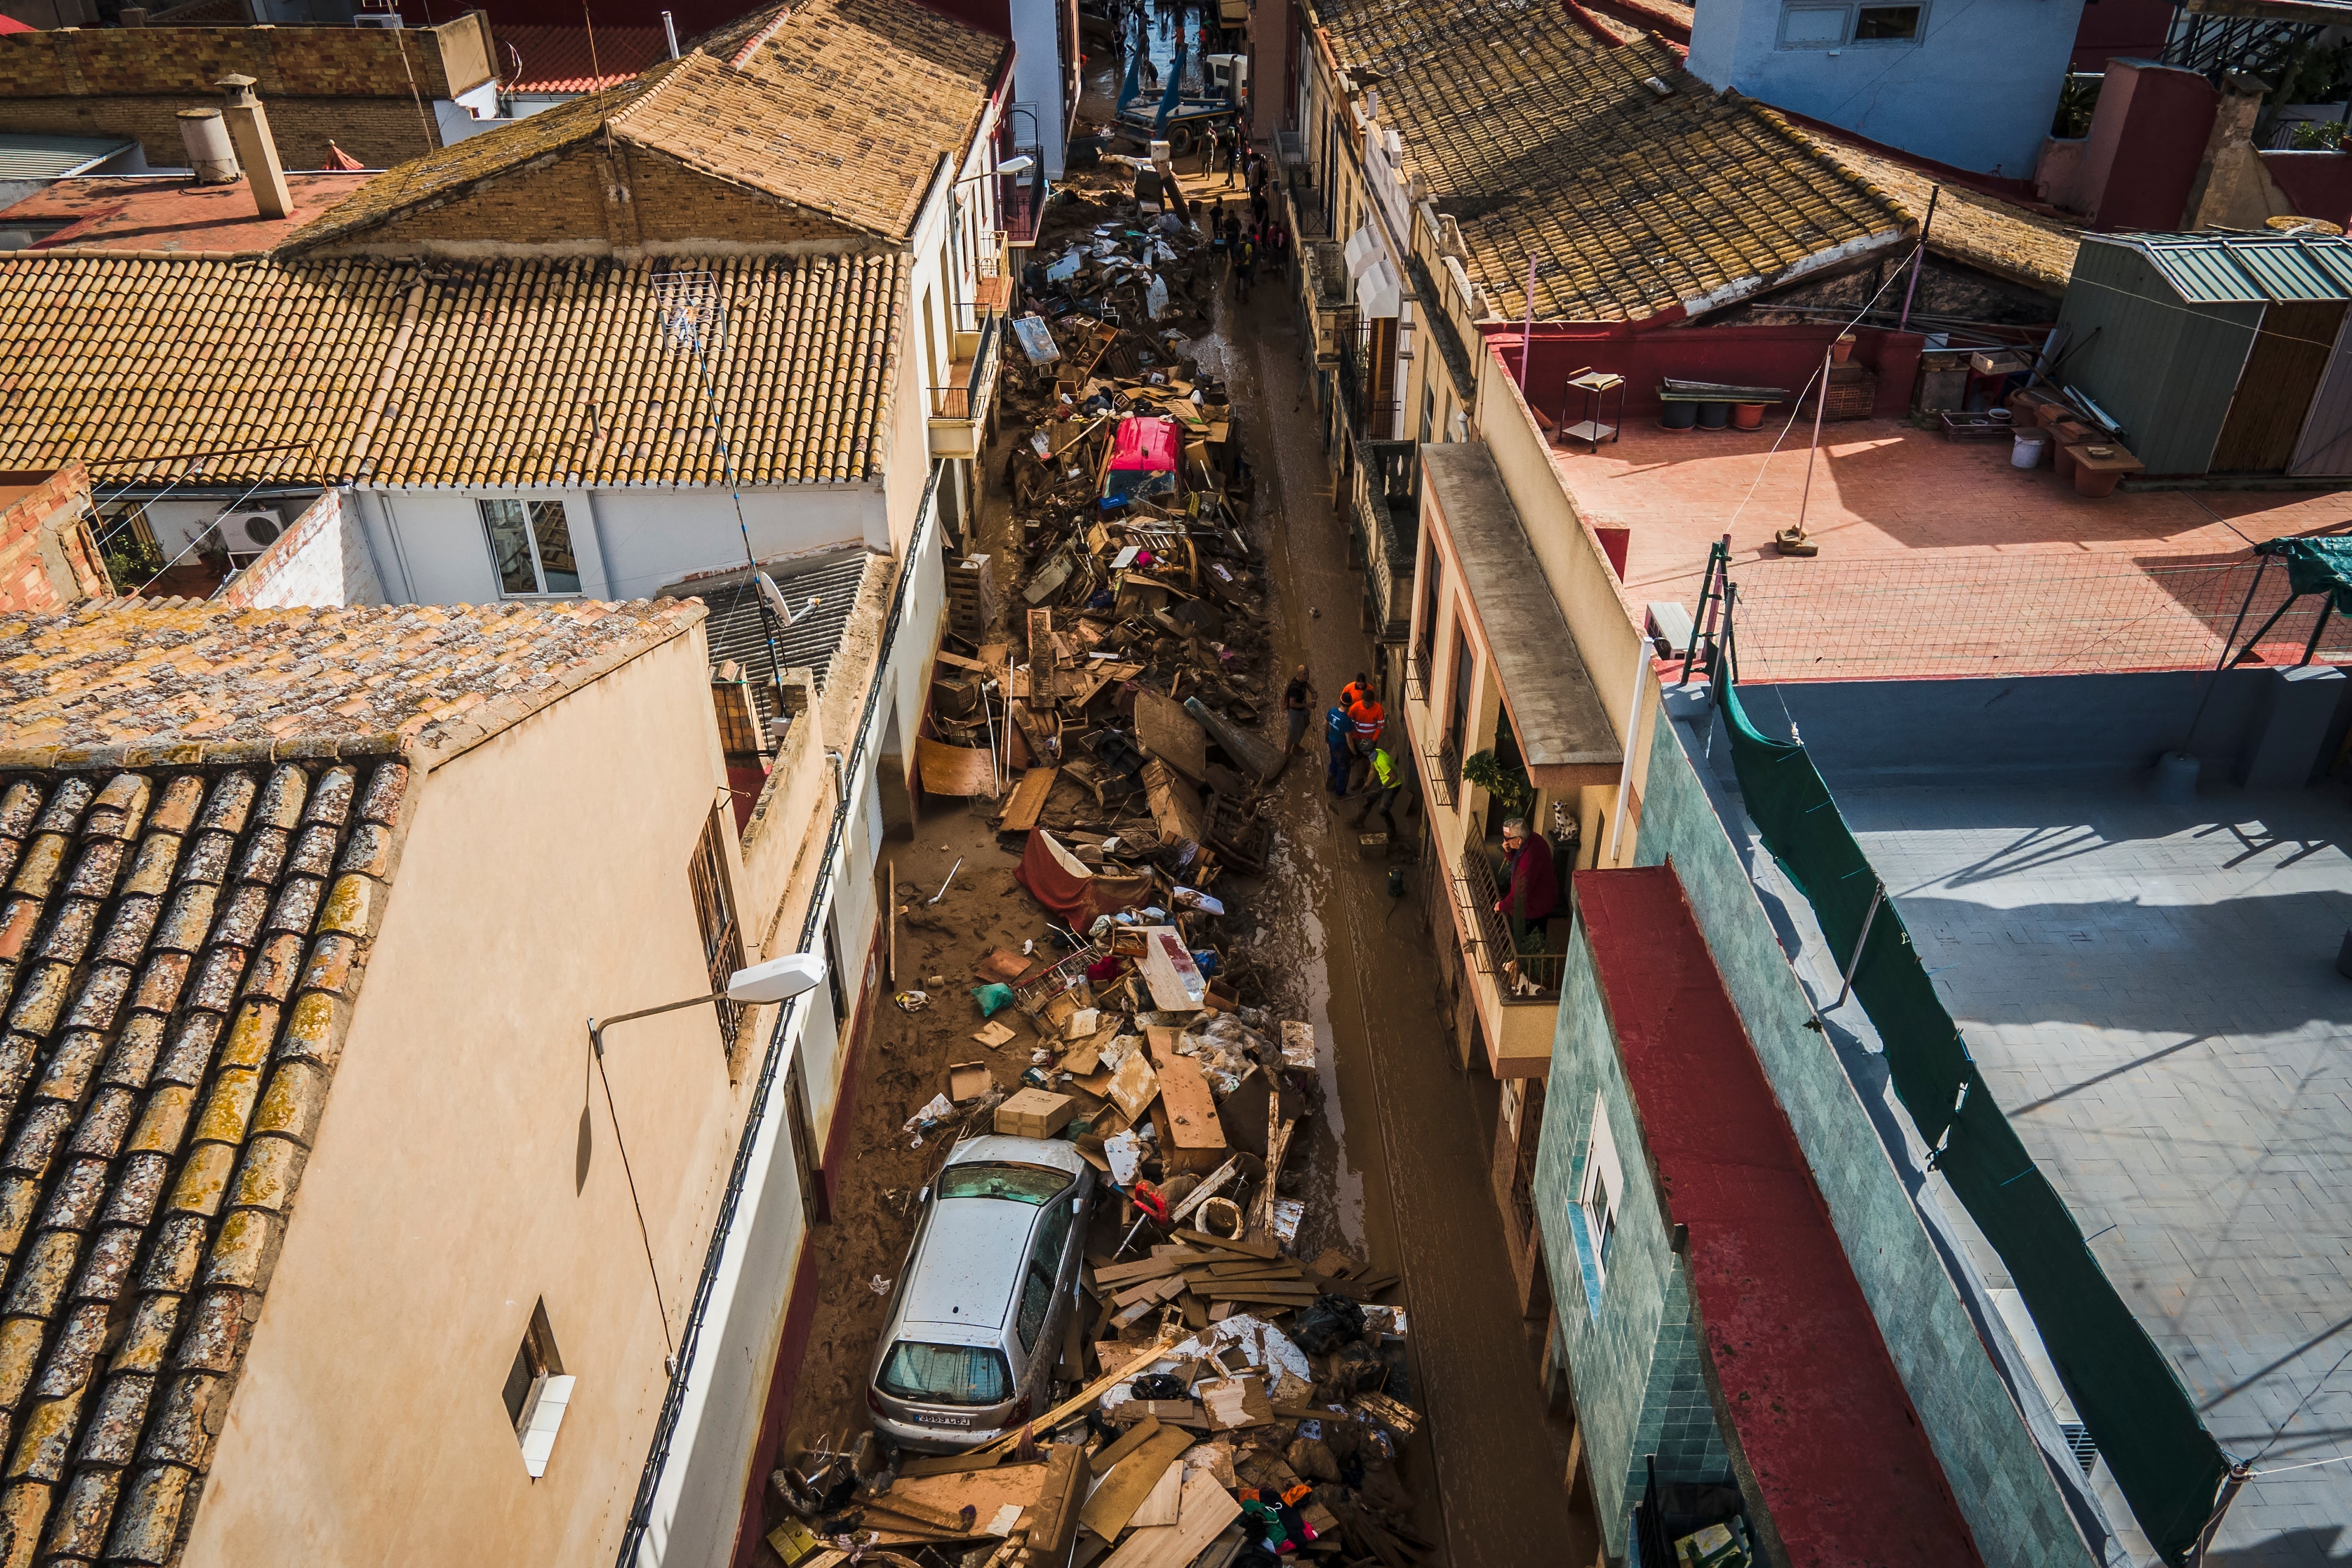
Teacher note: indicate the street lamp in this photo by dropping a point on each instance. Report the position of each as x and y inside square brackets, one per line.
[777, 980]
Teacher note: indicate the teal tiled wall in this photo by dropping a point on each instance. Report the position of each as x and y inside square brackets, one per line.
[1999, 1475]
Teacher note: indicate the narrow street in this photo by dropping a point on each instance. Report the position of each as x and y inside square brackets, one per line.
[1400, 1156]
[1394, 1167]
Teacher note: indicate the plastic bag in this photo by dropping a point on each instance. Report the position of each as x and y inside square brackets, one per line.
[992, 998]
[1332, 1322]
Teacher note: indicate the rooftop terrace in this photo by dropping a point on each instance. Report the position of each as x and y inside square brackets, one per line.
[2151, 991]
[1938, 558]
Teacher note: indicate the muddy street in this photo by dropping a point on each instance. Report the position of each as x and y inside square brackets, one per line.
[1402, 1156]
[1390, 1168]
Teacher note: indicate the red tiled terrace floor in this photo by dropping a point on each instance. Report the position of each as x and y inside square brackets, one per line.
[1939, 557]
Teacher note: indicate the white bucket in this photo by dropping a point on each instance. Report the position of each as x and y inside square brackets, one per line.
[2025, 448]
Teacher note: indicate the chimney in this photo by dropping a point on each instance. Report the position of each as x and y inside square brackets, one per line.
[248, 128]
[206, 136]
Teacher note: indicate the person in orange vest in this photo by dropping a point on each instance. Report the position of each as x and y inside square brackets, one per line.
[1367, 722]
[1354, 690]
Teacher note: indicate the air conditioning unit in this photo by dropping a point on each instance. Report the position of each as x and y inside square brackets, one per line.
[254, 530]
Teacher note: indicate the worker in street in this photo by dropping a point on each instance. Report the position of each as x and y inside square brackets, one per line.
[1368, 721]
[1337, 737]
[1355, 690]
[1297, 697]
[1390, 775]
[1234, 142]
[1245, 264]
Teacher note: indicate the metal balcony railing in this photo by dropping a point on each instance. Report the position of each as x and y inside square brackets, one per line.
[969, 392]
[1017, 204]
[1416, 673]
[1446, 773]
[1520, 977]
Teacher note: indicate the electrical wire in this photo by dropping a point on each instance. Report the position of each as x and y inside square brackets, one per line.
[2280, 1431]
[643, 1234]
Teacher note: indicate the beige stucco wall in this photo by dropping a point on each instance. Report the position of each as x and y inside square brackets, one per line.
[544, 878]
[1603, 621]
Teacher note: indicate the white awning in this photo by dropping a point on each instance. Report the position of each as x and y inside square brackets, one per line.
[1363, 249]
[1380, 291]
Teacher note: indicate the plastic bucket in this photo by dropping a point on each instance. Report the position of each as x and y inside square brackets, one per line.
[1678, 416]
[2026, 448]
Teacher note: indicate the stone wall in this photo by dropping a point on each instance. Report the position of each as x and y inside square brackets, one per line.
[350, 86]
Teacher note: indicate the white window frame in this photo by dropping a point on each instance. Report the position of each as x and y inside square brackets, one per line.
[530, 537]
[1603, 1180]
[1845, 25]
[1918, 35]
[1849, 16]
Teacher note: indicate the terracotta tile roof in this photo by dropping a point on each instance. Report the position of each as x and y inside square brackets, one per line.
[179, 952]
[142, 213]
[514, 372]
[443, 174]
[1540, 140]
[2001, 238]
[563, 59]
[843, 106]
[150, 682]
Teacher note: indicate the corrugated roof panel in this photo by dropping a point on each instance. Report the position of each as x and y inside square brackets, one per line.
[24, 156]
[2203, 272]
[2336, 260]
[2284, 272]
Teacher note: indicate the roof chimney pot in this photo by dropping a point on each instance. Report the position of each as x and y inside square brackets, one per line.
[206, 137]
[248, 128]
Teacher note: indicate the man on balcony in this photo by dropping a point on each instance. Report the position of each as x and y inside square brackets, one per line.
[1534, 890]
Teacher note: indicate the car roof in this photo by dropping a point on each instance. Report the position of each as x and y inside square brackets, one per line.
[1058, 1153]
[973, 1254]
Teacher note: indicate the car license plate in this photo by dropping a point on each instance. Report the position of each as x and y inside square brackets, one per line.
[929, 1419]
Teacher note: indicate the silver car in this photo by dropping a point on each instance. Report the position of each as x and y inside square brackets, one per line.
[975, 1326]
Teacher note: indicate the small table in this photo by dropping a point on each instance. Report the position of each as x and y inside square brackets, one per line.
[2100, 466]
[1594, 384]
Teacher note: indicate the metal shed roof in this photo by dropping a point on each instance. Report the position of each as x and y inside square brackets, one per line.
[25, 156]
[2246, 269]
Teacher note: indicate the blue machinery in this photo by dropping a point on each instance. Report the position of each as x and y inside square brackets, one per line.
[1177, 119]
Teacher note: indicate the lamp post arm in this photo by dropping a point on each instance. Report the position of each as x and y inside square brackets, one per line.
[596, 1030]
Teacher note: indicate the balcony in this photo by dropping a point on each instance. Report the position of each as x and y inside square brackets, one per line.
[1325, 268]
[1417, 668]
[1017, 205]
[1517, 994]
[960, 410]
[1386, 520]
[1373, 415]
[1444, 773]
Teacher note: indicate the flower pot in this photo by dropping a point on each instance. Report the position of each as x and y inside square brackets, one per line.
[2096, 482]
[2060, 459]
[1677, 416]
[1747, 415]
[1713, 416]
[1842, 350]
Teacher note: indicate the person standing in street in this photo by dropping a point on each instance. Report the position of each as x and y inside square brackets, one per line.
[1335, 739]
[1245, 264]
[1355, 690]
[1298, 698]
[1534, 886]
[1368, 721]
[1391, 775]
[1232, 155]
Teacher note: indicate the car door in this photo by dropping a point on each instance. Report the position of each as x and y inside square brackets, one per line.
[1037, 1320]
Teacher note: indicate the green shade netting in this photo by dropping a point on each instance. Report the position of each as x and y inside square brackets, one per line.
[2316, 565]
[2137, 1411]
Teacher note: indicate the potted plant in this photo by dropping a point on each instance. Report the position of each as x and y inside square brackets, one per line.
[1843, 350]
[1508, 786]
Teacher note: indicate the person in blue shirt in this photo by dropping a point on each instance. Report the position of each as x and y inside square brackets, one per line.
[1337, 734]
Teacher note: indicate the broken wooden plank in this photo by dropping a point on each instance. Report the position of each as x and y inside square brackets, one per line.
[1103, 1458]
[1076, 1402]
[1027, 801]
[1229, 1244]
[1164, 730]
[1193, 1139]
[1131, 1481]
[1203, 1511]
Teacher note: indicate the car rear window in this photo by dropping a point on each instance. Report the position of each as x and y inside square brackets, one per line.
[946, 1374]
[1032, 1184]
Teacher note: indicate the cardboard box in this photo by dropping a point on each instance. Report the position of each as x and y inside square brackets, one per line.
[968, 1079]
[1033, 1113]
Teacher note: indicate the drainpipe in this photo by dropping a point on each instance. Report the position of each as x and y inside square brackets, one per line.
[248, 128]
[669, 31]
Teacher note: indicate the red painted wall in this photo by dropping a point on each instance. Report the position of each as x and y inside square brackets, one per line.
[2318, 183]
[1745, 356]
[2136, 29]
[2148, 137]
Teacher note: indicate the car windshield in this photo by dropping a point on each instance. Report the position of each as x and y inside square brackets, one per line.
[946, 1374]
[1032, 1184]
